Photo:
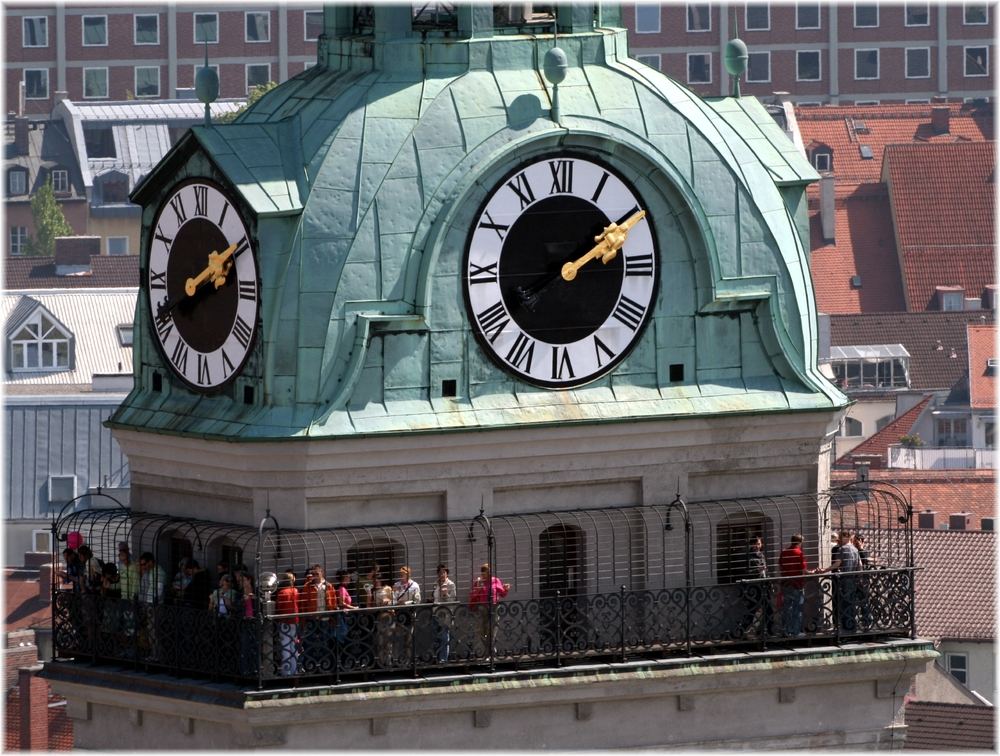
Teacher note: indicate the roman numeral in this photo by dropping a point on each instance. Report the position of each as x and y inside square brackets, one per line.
[492, 321]
[167, 241]
[629, 312]
[180, 355]
[157, 280]
[600, 187]
[498, 227]
[562, 176]
[562, 367]
[520, 186]
[241, 246]
[628, 215]
[204, 375]
[164, 326]
[248, 290]
[201, 200]
[222, 217]
[639, 265]
[227, 365]
[177, 203]
[600, 346]
[522, 351]
[482, 274]
[242, 331]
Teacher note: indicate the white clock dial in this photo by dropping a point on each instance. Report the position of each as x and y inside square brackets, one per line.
[561, 271]
[202, 287]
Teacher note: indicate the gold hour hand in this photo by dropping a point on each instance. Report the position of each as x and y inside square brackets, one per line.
[216, 271]
[609, 241]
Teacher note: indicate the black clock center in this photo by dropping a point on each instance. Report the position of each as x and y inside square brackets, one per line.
[204, 320]
[554, 231]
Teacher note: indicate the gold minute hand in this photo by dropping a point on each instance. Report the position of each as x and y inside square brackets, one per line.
[609, 241]
[216, 271]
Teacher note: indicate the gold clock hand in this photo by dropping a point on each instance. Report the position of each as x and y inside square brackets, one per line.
[216, 271]
[609, 241]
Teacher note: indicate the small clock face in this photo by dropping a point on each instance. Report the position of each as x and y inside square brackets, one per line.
[202, 285]
[561, 271]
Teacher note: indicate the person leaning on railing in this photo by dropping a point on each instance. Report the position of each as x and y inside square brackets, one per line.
[287, 607]
[486, 590]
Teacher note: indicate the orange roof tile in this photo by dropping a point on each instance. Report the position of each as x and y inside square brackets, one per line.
[878, 444]
[864, 247]
[942, 197]
[982, 378]
[886, 124]
[23, 606]
[933, 726]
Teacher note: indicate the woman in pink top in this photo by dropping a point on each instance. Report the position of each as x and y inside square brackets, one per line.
[486, 590]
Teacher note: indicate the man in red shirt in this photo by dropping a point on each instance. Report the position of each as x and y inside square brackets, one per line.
[287, 605]
[792, 563]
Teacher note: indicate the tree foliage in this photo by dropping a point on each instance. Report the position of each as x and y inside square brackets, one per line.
[49, 221]
[255, 94]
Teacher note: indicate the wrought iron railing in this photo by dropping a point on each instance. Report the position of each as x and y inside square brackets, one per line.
[344, 646]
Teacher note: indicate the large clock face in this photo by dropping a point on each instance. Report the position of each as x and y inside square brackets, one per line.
[561, 271]
[202, 285]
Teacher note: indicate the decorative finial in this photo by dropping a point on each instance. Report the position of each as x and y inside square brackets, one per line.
[206, 87]
[555, 66]
[736, 62]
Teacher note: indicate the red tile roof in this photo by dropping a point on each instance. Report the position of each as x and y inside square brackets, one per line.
[878, 444]
[982, 379]
[886, 124]
[60, 725]
[864, 246]
[932, 726]
[118, 271]
[920, 332]
[942, 199]
[21, 602]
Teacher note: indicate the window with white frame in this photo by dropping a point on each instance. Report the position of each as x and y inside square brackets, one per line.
[851, 427]
[257, 74]
[865, 15]
[647, 18]
[807, 65]
[757, 17]
[759, 67]
[918, 62]
[147, 29]
[147, 81]
[821, 161]
[917, 14]
[313, 21]
[35, 31]
[976, 14]
[117, 245]
[40, 344]
[652, 60]
[206, 28]
[18, 240]
[17, 181]
[699, 68]
[866, 64]
[258, 26]
[807, 16]
[977, 61]
[95, 31]
[699, 17]
[958, 667]
[36, 83]
[95, 83]
[60, 180]
[952, 431]
[951, 301]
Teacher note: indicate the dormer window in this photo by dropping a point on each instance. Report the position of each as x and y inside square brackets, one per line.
[17, 182]
[40, 343]
[951, 298]
[821, 156]
[124, 334]
[60, 181]
[111, 188]
[878, 366]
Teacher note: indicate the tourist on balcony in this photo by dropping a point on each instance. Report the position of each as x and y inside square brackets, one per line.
[287, 607]
[864, 582]
[223, 599]
[792, 564]
[316, 595]
[128, 573]
[486, 591]
[152, 591]
[380, 594]
[197, 589]
[444, 593]
[90, 570]
[846, 562]
[756, 596]
[71, 570]
[344, 604]
[246, 598]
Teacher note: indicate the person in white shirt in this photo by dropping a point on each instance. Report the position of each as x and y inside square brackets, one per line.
[444, 593]
[406, 590]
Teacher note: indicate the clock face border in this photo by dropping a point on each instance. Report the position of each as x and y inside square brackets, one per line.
[243, 287]
[623, 310]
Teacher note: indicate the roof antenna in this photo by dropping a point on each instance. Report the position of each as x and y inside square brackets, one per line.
[206, 86]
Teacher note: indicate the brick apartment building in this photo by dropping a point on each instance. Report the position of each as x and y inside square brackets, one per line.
[116, 52]
[820, 52]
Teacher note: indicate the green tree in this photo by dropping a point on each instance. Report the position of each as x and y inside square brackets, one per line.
[256, 93]
[49, 221]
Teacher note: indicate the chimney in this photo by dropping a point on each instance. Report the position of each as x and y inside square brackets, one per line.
[33, 692]
[59, 95]
[939, 118]
[959, 521]
[73, 254]
[21, 135]
[925, 519]
[45, 583]
[990, 297]
[986, 524]
[827, 208]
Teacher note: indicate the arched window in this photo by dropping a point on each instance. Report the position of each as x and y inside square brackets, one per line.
[851, 427]
[562, 554]
[111, 188]
[40, 343]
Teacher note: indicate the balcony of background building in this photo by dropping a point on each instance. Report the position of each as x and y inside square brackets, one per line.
[940, 458]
